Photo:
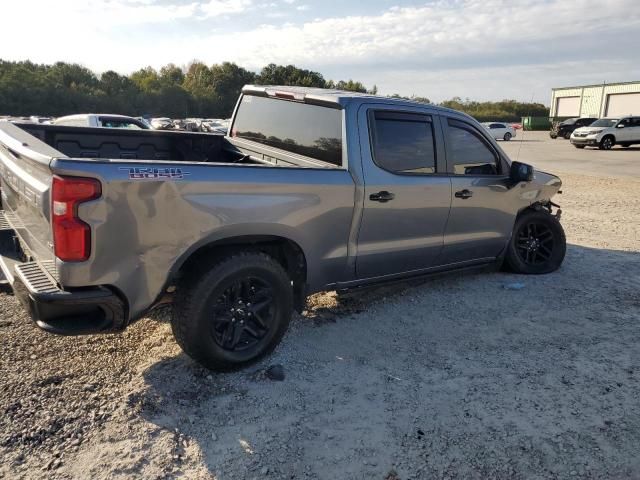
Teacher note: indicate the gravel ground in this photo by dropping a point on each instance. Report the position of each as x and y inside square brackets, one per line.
[455, 377]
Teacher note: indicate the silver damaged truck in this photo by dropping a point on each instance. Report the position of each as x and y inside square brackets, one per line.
[310, 190]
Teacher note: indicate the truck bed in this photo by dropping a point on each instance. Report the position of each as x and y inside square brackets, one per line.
[111, 143]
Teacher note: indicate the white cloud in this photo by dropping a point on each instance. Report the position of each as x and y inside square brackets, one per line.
[214, 8]
[89, 14]
[478, 43]
[434, 33]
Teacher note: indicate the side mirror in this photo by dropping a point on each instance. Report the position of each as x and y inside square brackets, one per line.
[620, 125]
[521, 172]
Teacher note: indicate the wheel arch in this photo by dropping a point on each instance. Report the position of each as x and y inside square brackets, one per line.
[287, 252]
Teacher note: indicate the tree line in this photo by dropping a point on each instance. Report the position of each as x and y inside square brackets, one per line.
[199, 90]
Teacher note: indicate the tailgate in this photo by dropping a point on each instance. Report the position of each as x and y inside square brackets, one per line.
[25, 180]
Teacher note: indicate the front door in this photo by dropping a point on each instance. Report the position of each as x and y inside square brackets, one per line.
[624, 130]
[482, 217]
[407, 194]
[632, 131]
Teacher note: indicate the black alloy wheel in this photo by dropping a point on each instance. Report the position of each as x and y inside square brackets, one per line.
[234, 311]
[243, 314]
[538, 243]
[535, 244]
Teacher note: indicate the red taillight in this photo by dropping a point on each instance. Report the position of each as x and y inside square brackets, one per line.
[71, 236]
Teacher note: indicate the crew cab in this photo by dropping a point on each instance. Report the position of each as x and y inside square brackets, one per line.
[605, 133]
[312, 190]
[101, 120]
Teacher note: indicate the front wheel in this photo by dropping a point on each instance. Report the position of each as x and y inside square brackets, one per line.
[607, 143]
[233, 313]
[507, 137]
[567, 135]
[538, 244]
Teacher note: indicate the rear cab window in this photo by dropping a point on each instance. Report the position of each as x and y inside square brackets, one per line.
[312, 131]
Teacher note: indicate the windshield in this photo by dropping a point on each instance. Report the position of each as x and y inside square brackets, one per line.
[569, 121]
[605, 122]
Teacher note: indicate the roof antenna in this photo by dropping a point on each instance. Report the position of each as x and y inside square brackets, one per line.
[523, 130]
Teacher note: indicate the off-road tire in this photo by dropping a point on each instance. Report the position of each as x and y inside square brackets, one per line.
[198, 294]
[515, 260]
[507, 137]
[607, 143]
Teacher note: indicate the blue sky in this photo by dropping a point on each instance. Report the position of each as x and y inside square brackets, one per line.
[481, 49]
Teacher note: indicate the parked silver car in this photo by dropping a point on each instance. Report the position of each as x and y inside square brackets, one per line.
[500, 130]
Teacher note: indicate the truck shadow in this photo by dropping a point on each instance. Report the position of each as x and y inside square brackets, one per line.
[462, 360]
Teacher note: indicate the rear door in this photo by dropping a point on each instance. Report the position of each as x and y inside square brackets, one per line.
[407, 191]
[481, 217]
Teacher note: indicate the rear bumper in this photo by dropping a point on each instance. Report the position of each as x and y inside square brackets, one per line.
[65, 312]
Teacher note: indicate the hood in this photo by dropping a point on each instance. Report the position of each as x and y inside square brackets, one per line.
[589, 129]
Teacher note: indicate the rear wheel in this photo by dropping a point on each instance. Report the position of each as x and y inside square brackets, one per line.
[538, 244]
[233, 313]
[507, 137]
[607, 143]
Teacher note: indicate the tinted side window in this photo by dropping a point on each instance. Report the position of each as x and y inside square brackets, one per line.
[310, 130]
[469, 152]
[403, 142]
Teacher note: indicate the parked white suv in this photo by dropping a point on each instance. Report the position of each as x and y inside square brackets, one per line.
[607, 132]
[500, 130]
[101, 121]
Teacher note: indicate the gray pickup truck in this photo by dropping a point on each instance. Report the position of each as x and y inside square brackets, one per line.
[311, 190]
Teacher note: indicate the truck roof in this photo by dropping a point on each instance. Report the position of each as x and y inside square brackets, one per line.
[331, 96]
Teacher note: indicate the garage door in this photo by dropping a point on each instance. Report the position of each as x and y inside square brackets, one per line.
[623, 104]
[568, 107]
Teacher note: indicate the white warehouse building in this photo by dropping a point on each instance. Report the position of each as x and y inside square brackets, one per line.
[597, 101]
